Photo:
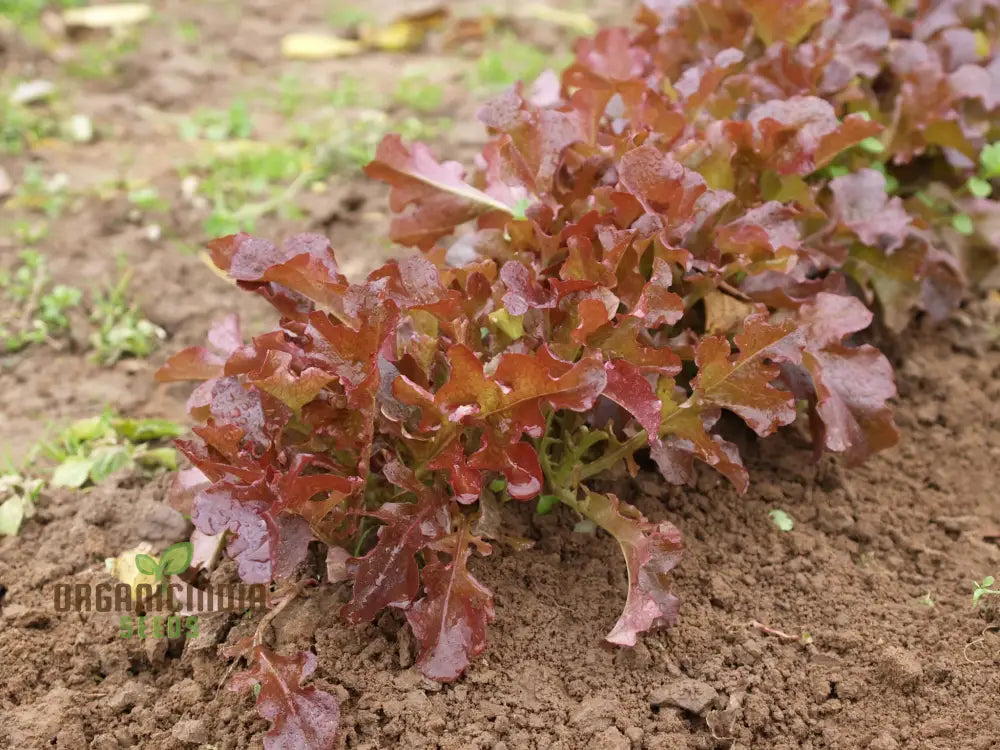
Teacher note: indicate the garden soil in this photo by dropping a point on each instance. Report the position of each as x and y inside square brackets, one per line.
[853, 630]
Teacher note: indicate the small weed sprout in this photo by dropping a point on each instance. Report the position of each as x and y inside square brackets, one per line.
[781, 519]
[18, 495]
[121, 329]
[417, 92]
[219, 125]
[47, 195]
[36, 311]
[983, 589]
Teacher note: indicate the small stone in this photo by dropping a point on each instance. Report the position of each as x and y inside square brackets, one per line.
[417, 702]
[21, 616]
[594, 713]
[634, 735]
[71, 735]
[691, 695]
[928, 413]
[883, 742]
[186, 692]
[612, 739]
[900, 668]
[104, 742]
[128, 696]
[721, 594]
[6, 184]
[79, 129]
[29, 92]
[155, 650]
[191, 731]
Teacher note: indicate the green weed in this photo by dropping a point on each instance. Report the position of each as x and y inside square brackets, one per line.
[512, 60]
[246, 183]
[18, 495]
[418, 92]
[36, 192]
[218, 124]
[21, 127]
[121, 331]
[90, 450]
[26, 12]
[36, 310]
[103, 59]
[983, 589]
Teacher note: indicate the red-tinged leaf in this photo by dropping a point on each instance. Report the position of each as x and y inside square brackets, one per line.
[303, 718]
[438, 197]
[528, 157]
[298, 493]
[786, 20]
[591, 314]
[606, 59]
[201, 363]
[684, 430]
[666, 188]
[305, 264]
[628, 388]
[467, 390]
[225, 335]
[792, 289]
[630, 341]
[523, 293]
[800, 134]
[466, 481]
[658, 305]
[264, 547]
[744, 384]
[186, 485]
[943, 285]
[852, 385]
[651, 551]
[850, 132]
[894, 278]
[862, 205]
[295, 390]
[530, 386]
[762, 234]
[389, 575]
[518, 462]
[699, 82]
[450, 619]
[193, 363]
[257, 414]
[353, 354]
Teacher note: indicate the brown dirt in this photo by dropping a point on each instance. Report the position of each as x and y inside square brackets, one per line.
[869, 664]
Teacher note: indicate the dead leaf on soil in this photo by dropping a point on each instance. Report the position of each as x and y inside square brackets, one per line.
[314, 46]
[109, 16]
[581, 23]
[406, 33]
[470, 29]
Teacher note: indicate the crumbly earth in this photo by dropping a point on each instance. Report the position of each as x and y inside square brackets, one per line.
[852, 630]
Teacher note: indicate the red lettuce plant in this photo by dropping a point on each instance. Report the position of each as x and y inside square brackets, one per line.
[693, 221]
